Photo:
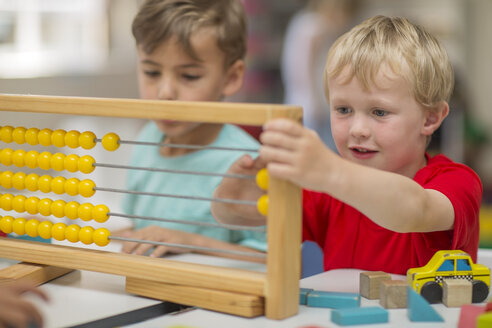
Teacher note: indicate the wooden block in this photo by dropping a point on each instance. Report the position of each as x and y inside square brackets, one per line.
[393, 294]
[245, 305]
[333, 300]
[35, 273]
[359, 316]
[484, 320]
[469, 315]
[303, 295]
[419, 310]
[456, 292]
[370, 282]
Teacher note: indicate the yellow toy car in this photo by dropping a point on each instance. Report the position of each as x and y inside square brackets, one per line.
[453, 264]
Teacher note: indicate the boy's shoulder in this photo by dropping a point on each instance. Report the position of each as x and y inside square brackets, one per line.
[442, 165]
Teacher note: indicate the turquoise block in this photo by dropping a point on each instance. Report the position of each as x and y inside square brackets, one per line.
[333, 300]
[303, 295]
[359, 316]
[419, 310]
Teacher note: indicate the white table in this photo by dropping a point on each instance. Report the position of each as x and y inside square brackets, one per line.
[84, 296]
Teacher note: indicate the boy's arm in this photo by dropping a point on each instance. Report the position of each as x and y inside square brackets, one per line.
[392, 201]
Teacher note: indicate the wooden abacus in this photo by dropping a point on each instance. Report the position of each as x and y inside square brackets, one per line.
[240, 292]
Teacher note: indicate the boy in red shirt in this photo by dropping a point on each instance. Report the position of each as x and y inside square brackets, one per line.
[383, 203]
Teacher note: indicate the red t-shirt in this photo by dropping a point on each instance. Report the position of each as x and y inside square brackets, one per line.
[351, 240]
[2, 234]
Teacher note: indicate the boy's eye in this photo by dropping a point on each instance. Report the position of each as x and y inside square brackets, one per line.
[343, 110]
[152, 74]
[190, 77]
[380, 112]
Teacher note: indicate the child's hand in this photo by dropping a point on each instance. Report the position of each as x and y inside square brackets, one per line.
[15, 311]
[296, 153]
[155, 233]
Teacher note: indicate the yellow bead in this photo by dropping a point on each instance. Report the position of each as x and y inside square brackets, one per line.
[6, 224]
[44, 160]
[85, 235]
[110, 141]
[72, 138]
[44, 137]
[58, 138]
[72, 210]
[19, 203]
[6, 133]
[44, 206]
[100, 213]
[19, 226]
[44, 183]
[18, 157]
[58, 208]
[58, 231]
[31, 159]
[18, 180]
[32, 205]
[57, 161]
[19, 135]
[72, 186]
[86, 188]
[6, 179]
[86, 164]
[85, 211]
[32, 136]
[71, 163]
[31, 182]
[6, 202]
[6, 156]
[101, 236]
[262, 179]
[72, 233]
[31, 228]
[87, 140]
[58, 185]
[44, 229]
[262, 205]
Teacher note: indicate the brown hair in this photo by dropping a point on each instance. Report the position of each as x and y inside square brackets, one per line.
[159, 20]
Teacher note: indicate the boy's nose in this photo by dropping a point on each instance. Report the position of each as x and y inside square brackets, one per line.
[359, 127]
[167, 91]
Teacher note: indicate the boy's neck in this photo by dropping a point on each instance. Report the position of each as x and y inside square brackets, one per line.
[203, 135]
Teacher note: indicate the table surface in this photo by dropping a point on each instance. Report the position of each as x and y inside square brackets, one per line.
[84, 296]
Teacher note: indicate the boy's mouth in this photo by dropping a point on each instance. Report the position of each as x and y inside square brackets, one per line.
[362, 152]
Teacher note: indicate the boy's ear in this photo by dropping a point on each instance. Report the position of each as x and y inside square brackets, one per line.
[234, 78]
[434, 118]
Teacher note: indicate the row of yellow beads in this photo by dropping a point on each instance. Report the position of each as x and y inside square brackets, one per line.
[47, 160]
[58, 208]
[59, 231]
[57, 138]
[46, 183]
[262, 182]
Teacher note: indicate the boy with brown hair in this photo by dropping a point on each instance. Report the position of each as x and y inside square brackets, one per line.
[188, 50]
[384, 203]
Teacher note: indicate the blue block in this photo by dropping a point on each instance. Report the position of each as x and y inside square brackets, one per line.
[359, 316]
[419, 310]
[303, 295]
[333, 300]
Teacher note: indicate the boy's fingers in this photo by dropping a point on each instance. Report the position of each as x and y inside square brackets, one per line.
[128, 247]
[284, 125]
[276, 155]
[159, 251]
[142, 249]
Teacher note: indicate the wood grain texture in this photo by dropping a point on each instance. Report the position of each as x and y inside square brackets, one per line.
[35, 273]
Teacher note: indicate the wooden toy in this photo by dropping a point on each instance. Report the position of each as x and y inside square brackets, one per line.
[333, 300]
[456, 292]
[449, 264]
[393, 294]
[359, 316]
[419, 309]
[241, 292]
[303, 294]
[370, 282]
[469, 314]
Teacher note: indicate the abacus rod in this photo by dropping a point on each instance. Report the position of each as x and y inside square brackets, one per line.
[226, 175]
[206, 249]
[210, 199]
[204, 224]
[171, 145]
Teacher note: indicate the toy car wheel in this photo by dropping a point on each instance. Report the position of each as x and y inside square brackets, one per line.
[432, 292]
[480, 291]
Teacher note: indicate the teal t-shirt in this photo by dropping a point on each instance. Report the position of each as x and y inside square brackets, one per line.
[217, 161]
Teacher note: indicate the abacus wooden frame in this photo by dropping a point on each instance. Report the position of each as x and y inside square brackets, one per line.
[240, 292]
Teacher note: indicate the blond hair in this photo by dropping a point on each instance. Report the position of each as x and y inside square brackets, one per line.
[159, 20]
[409, 50]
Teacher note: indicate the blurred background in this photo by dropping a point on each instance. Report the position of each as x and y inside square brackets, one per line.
[85, 48]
